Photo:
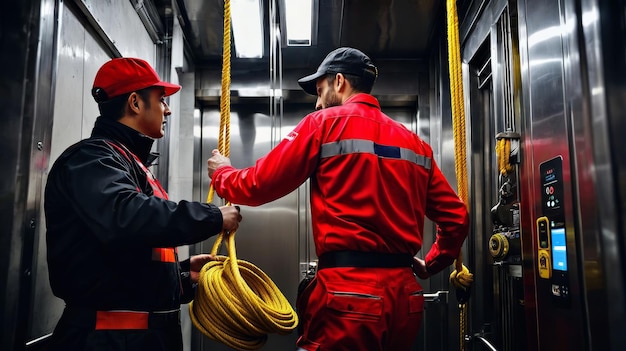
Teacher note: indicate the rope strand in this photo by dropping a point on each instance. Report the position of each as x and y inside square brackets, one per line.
[503, 152]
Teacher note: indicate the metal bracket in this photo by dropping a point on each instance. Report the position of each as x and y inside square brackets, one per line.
[308, 269]
[439, 296]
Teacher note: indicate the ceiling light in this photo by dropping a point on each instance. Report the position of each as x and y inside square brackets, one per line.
[300, 22]
[247, 28]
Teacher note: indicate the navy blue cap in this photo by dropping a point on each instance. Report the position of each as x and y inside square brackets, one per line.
[343, 60]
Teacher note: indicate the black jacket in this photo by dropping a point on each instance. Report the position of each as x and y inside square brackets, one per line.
[103, 222]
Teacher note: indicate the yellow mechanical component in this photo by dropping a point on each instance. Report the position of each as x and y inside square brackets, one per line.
[503, 152]
[544, 264]
[544, 260]
[498, 245]
[236, 303]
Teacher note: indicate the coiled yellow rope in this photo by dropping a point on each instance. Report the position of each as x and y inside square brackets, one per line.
[461, 276]
[236, 303]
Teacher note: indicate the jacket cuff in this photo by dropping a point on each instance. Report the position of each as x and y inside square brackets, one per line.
[185, 266]
[188, 292]
[438, 264]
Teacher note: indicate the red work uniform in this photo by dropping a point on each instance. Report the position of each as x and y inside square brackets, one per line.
[372, 183]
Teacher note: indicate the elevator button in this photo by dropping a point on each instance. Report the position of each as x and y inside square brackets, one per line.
[544, 265]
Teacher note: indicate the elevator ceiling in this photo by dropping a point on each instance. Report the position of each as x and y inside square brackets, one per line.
[384, 29]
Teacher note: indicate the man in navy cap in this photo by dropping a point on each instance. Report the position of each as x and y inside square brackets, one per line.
[373, 182]
[112, 233]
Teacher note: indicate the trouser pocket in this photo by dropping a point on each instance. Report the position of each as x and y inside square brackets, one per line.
[355, 305]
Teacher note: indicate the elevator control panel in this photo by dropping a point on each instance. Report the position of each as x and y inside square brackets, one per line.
[551, 232]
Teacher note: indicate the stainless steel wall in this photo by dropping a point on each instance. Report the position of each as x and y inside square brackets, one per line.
[548, 90]
[602, 42]
[27, 29]
[559, 51]
[571, 104]
[563, 112]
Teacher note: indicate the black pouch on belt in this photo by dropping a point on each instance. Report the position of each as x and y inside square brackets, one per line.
[305, 287]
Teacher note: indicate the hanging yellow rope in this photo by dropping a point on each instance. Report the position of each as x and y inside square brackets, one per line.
[461, 278]
[236, 303]
[503, 152]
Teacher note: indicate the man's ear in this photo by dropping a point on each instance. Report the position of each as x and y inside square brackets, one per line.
[340, 82]
[133, 102]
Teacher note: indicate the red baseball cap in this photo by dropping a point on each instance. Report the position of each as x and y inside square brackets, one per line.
[125, 75]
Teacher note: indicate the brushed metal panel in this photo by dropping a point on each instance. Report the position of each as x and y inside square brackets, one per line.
[67, 115]
[95, 56]
[182, 139]
[585, 197]
[121, 23]
[477, 28]
[546, 134]
[181, 186]
[67, 127]
[27, 55]
[43, 86]
[600, 218]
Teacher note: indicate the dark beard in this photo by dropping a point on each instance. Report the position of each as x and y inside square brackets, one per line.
[333, 100]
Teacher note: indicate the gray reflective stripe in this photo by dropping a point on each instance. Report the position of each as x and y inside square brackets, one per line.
[411, 156]
[352, 146]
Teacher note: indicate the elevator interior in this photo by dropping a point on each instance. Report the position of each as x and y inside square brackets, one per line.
[543, 93]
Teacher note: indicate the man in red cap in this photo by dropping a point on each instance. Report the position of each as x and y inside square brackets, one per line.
[112, 233]
[372, 183]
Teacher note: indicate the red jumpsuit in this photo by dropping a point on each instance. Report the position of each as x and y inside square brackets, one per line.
[372, 183]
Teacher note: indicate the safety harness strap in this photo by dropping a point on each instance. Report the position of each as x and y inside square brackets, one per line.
[165, 254]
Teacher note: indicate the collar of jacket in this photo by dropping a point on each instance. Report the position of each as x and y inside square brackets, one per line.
[139, 144]
[363, 98]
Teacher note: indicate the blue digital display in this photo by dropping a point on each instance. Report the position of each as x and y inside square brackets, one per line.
[559, 249]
